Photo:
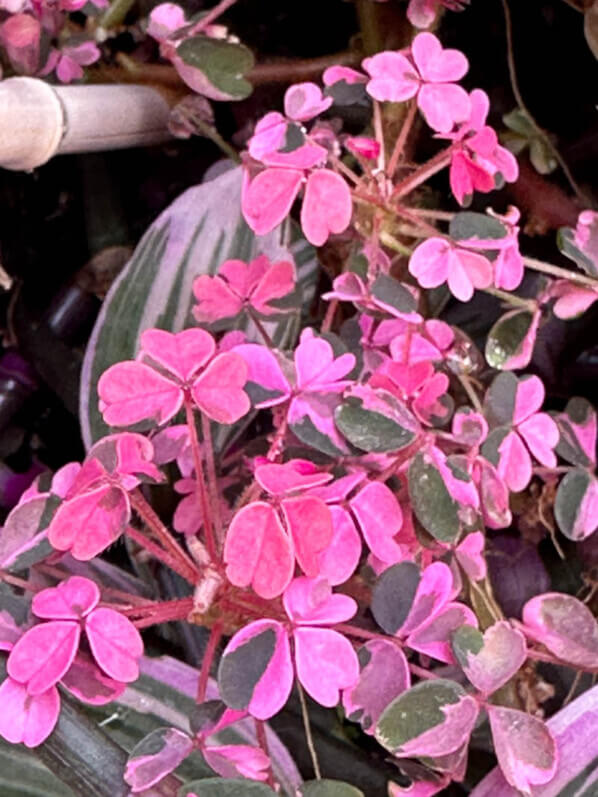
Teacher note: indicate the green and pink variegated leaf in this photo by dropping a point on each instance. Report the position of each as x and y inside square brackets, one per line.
[576, 504]
[490, 659]
[577, 429]
[375, 421]
[155, 756]
[224, 787]
[328, 788]
[565, 626]
[434, 718]
[195, 235]
[574, 731]
[510, 342]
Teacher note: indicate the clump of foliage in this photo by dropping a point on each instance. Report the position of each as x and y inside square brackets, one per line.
[336, 491]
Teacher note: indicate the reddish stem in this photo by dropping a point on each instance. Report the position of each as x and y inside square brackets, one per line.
[158, 608]
[163, 556]
[173, 610]
[201, 481]
[208, 450]
[153, 522]
[260, 732]
[401, 139]
[260, 327]
[208, 658]
[421, 174]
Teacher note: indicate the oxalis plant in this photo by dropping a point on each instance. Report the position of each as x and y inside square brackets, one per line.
[332, 495]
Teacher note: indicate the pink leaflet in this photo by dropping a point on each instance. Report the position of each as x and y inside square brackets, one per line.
[218, 390]
[268, 198]
[278, 280]
[264, 369]
[525, 748]
[326, 663]
[258, 552]
[467, 176]
[541, 435]
[44, 654]
[433, 592]
[443, 104]
[494, 494]
[435, 261]
[362, 146]
[26, 718]
[528, 398]
[339, 489]
[380, 518]
[433, 638]
[571, 300]
[309, 601]
[327, 206]
[565, 626]
[449, 735]
[232, 760]
[515, 464]
[131, 392]
[72, 599]
[216, 300]
[436, 64]
[296, 474]
[393, 78]
[304, 101]
[318, 370]
[339, 560]
[469, 428]
[272, 690]
[268, 136]
[165, 19]
[310, 525]
[470, 555]
[90, 522]
[115, 643]
[88, 683]
[181, 354]
[188, 518]
[503, 653]
[384, 675]
[334, 74]
[421, 14]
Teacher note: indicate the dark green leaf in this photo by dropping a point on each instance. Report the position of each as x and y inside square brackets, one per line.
[394, 293]
[499, 403]
[468, 225]
[566, 243]
[328, 788]
[374, 431]
[510, 341]
[229, 787]
[240, 670]
[221, 63]
[431, 501]
[393, 594]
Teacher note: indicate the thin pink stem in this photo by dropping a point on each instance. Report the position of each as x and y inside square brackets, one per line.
[421, 672]
[329, 317]
[208, 450]
[260, 732]
[218, 9]
[206, 662]
[201, 481]
[177, 610]
[153, 522]
[421, 174]
[260, 327]
[401, 139]
[189, 574]
[158, 608]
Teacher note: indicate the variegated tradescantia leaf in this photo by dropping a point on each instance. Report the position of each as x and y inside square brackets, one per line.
[195, 235]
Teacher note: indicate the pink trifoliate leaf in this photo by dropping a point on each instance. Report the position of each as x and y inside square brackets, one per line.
[268, 136]
[43, 655]
[491, 659]
[268, 198]
[541, 435]
[182, 354]
[297, 474]
[380, 518]
[131, 392]
[327, 206]
[565, 626]
[218, 391]
[303, 101]
[216, 300]
[89, 684]
[87, 524]
[255, 672]
[326, 663]
[436, 64]
[393, 78]
[339, 560]
[26, 718]
[115, 643]
[434, 718]
[258, 552]
[435, 261]
[433, 638]
[524, 746]
[310, 525]
[384, 675]
[318, 370]
[232, 760]
[277, 281]
[70, 600]
[155, 756]
[310, 601]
